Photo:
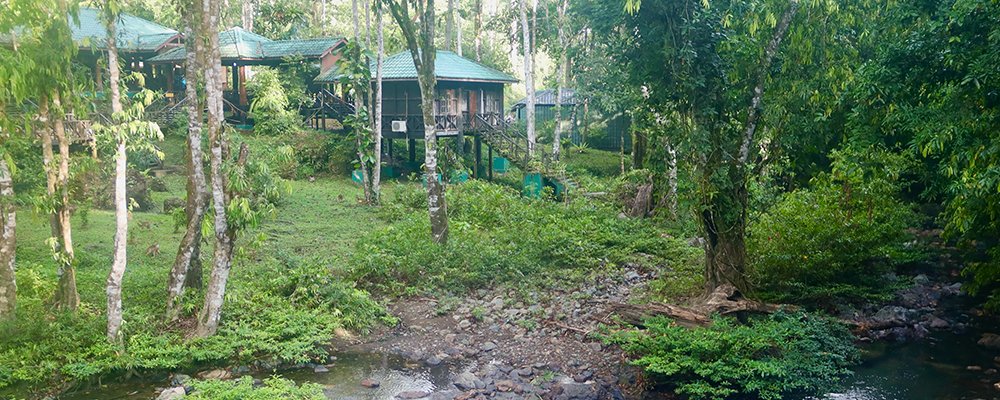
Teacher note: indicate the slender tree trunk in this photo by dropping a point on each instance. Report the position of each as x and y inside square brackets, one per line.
[420, 42]
[8, 241]
[458, 35]
[753, 114]
[449, 27]
[67, 297]
[478, 29]
[529, 80]
[120, 258]
[377, 131]
[672, 180]
[724, 219]
[48, 163]
[211, 312]
[560, 80]
[186, 271]
[358, 104]
[247, 15]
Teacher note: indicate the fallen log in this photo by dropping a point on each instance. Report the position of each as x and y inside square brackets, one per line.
[724, 300]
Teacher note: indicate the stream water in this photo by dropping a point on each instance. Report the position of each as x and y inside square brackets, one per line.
[343, 380]
[932, 369]
[936, 368]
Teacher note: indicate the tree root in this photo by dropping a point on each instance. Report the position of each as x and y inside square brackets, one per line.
[724, 300]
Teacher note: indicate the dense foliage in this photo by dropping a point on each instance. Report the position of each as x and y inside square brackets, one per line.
[244, 389]
[786, 355]
[500, 237]
[834, 242]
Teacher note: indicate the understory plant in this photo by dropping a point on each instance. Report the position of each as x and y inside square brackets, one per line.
[835, 241]
[498, 236]
[784, 355]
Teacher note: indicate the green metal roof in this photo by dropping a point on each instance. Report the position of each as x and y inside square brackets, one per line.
[238, 44]
[134, 34]
[448, 66]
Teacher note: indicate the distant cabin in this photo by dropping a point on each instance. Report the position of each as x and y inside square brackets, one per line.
[545, 105]
[466, 90]
[240, 48]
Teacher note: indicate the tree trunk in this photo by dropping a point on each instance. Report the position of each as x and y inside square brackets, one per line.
[67, 297]
[563, 71]
[529, 80]
[358, 104]
[478, 29]
[48, 163]
[672, 180]
[458, 34]
[247, 15]
[377, 130]
[420, 42]
[120, 257]
[186, 271]
[753, 114]
[8, 239]
[723, 222]
[449, 27]
[211, 312]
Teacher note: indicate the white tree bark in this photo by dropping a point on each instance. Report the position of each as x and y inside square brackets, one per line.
[560, 80]
[377, 131]
[67, 297]
[753, 114]
[211, 312]
[120, 257]
[366, 182]
[8, 239]
[478, 24]
[458, 34]
[186, 263]
[529, 80]
[449, 27]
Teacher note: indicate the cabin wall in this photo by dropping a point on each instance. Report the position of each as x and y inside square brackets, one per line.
[401, 102]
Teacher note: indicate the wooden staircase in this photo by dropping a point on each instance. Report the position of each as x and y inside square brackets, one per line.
[327, 106]
[511, 142]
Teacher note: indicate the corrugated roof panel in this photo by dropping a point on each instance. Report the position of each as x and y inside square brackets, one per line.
[238, 44]
[447, 66]
[547, 97]
[134, 33]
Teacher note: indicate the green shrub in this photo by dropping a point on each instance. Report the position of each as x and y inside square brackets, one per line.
[271, 110]
[835, 241]
[499, 237]
[244, 389]
[786, 355]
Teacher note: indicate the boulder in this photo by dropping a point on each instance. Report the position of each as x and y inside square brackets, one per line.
[370, 383]
[215, 374]
[467, 381]
[990, 341]
[893, 316]
[172, 203]
[172, 393]
[412, 394]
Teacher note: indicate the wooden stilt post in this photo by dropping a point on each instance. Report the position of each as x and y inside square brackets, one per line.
[490, 161]
[478, 150]
[413, 150]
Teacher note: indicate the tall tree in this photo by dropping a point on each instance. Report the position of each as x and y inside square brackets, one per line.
[211, 312]
[478, 28]
[8, 238]
[449, 27]
[708, 67]
[419, 36]
[377, 129]
[120, 256]
[67, 298]
[529, 79]
[187, 271]
[359, 134]
[561, 73]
